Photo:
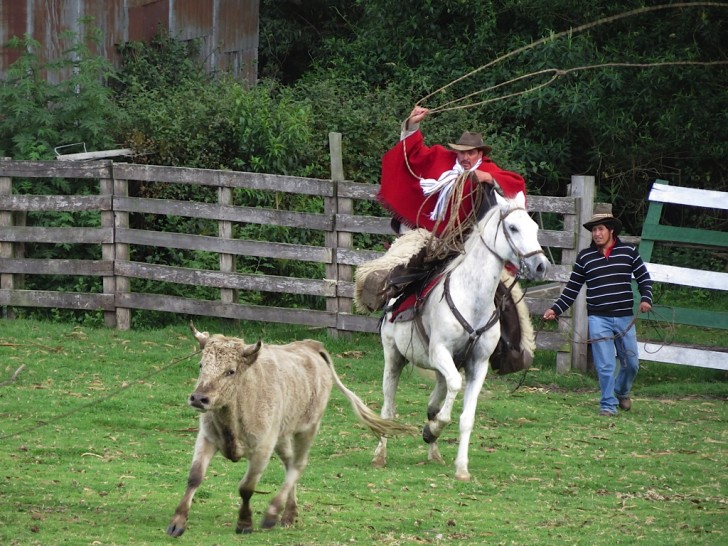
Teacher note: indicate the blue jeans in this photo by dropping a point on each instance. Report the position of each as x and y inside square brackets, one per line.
[620, 342]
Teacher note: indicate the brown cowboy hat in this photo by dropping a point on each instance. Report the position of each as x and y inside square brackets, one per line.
[605, 220]
[470, 141]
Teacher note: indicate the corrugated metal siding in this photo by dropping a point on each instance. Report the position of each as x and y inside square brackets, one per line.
[145, 17]
[227, 29]
[239, 40]
[13, 18]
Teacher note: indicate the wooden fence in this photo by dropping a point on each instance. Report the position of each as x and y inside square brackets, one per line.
[115, 204]
[655, 233]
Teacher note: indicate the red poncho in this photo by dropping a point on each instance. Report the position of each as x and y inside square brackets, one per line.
[401, 194]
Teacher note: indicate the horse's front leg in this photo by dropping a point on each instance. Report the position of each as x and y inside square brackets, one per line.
[442, 362]
[394, 363]
[434, 405]
[475, 377]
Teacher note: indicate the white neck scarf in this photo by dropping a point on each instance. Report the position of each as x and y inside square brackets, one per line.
[444, 185]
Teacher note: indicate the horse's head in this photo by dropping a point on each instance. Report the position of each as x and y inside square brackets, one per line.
[520, 244]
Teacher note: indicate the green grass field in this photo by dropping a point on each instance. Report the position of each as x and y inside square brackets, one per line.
[96, 442]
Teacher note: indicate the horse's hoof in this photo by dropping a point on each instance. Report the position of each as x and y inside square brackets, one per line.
[433, 454]
[427, 435]
[379, 462]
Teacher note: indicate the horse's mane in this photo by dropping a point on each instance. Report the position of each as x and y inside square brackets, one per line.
[455, 231]
[472, 238]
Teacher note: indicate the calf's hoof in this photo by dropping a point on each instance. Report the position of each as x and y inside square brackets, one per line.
[175, 530]
[288, 518]
[243, 530]
[268, 522]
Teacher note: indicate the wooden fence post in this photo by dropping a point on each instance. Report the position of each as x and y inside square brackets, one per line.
[225, 231]
[121, 221]
[335, 239]
[108, 250]
[582, 187]
[6, 249]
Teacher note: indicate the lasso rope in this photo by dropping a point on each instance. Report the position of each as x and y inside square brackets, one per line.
[454, 231]
[573, 31]
[125, 385]
[556, 74]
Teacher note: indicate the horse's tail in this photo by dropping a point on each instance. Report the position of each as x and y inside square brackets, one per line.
[378, 425]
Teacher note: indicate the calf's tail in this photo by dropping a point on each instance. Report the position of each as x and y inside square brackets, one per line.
[378, 425]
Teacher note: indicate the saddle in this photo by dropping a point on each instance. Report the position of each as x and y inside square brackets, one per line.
[404, 289]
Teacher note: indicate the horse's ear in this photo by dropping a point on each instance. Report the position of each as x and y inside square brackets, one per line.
[499, 199]
[520, 199]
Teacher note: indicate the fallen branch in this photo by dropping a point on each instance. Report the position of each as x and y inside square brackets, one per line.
[13, 377]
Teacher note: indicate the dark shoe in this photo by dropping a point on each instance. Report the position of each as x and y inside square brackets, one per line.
[625, 403]
[605, 413]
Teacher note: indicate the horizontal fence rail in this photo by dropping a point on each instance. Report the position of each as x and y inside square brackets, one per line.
[654, 233]
[114, 237]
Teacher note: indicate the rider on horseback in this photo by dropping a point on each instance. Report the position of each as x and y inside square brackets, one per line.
[421, 186]
[419, 182]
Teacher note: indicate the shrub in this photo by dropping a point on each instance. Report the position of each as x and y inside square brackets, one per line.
[39, 115]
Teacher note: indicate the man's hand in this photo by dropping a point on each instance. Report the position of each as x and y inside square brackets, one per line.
[417, 115]
[645, 307]
[550, 314]
[484, 177]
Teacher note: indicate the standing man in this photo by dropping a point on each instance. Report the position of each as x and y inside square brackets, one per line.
[607, 268]
[418, 180]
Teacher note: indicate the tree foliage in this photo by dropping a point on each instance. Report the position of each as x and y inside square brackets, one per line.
[626, 125]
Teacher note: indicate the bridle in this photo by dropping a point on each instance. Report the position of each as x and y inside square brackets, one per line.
[521, 256]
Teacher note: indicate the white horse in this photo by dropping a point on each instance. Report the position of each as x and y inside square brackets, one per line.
[458, 327]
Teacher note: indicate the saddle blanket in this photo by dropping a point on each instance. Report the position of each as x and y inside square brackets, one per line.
[405, 307]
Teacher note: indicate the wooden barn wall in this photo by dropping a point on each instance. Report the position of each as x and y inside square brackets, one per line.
[227, 30]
